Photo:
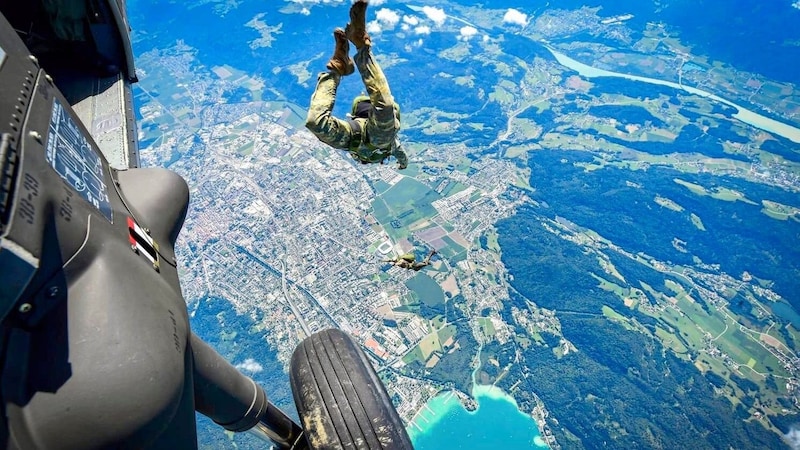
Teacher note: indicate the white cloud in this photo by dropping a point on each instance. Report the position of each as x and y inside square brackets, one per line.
[793, 436]
[387, 17]
[306, 5]
[411, 20]
[796, 4]
[467, 32]
[513, 16]
[374, 27]
[412, 45]
[424, 29]
[377, 2]
[437, 15]
[250, 365]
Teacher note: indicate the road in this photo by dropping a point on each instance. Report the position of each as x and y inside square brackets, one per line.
[295, 311]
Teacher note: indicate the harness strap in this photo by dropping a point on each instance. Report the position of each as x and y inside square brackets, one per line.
[356, 127]
[357, 142]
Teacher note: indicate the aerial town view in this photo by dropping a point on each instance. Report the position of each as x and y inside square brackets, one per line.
[602, 197]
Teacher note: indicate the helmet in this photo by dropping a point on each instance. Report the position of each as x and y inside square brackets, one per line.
[360, 107]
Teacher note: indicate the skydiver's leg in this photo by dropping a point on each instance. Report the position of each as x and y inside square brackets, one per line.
[427, 259]
[327, 128]
[341, 62]
[384, 119]
[357, 28]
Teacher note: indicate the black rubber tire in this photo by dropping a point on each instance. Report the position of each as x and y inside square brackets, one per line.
[340, 399]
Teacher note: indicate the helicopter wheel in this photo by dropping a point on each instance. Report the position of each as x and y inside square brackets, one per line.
[340, 400]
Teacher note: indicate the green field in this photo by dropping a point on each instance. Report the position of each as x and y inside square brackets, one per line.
[246, 149]
[487, 327]
[409, 193]
[523, 341]
[718, 193]
[380, 186]
[688, 324]
[405, 203]
[430, 344]
[414, 355]
[453, 188]
[698, 222]
[779, 211]
[381, 211]
[491, 241]
[446, 333]
[452, 250]
[613, 315]
[670, 341]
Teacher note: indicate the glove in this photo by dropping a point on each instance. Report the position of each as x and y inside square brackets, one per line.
[397, 152]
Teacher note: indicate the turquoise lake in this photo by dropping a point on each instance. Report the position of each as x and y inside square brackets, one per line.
[497, 423]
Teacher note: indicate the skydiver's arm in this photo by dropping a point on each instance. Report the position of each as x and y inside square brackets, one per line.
[397, 152]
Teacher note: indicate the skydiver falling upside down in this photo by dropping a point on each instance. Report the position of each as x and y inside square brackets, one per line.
[370, 136]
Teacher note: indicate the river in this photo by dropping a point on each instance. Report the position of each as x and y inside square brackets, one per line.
[745, 115]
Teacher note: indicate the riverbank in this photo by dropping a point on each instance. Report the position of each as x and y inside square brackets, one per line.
[744, 115]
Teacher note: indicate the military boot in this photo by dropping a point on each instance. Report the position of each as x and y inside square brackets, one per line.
[357, 28]
[341, 62]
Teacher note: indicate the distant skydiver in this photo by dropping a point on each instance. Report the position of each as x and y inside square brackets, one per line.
[408, 261]
[370, 134]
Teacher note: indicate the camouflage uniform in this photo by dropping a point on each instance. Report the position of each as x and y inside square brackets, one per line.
[409, 261]
[378, 138]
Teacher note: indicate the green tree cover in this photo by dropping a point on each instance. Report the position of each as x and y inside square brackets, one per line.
[715, 380]
[620, 392]
[441, 94]
[211, 320]
[739, 236]
[451, 368]
[745, 384]
[622, 389]
[503, 354]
